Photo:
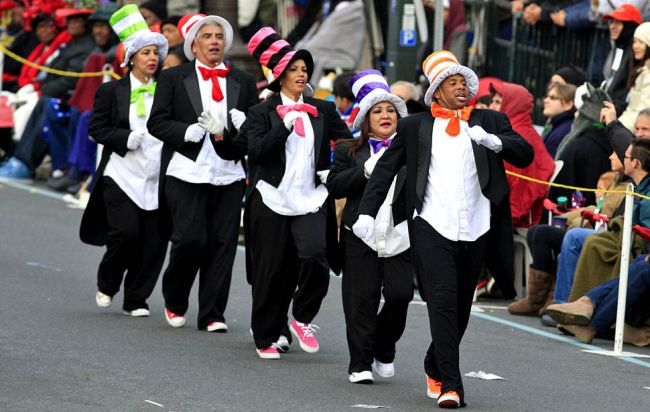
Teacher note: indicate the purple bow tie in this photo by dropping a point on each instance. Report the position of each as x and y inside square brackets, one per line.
[377, 144]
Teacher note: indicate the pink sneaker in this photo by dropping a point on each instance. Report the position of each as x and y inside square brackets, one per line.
[268, 353]
[174, 320]
[305, 334]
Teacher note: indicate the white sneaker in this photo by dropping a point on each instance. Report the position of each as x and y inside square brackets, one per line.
[219, 327]
[361, 377]
[103, 300]
[385, 370]
[282, 344]
[137, 313]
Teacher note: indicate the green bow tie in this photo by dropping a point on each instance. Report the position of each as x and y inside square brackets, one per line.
[137, 97]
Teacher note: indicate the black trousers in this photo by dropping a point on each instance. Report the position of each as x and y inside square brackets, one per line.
[366, 276]
[205, 228]
[133, 245]
[289, 261]
[447, 272]
[545, 243]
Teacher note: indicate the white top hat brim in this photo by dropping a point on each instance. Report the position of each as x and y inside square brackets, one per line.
[466, 72]
[147, 38]
[366, 104]
[191, 34]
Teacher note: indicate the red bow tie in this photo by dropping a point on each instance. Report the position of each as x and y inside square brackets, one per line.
[214, 74]
[298, 126]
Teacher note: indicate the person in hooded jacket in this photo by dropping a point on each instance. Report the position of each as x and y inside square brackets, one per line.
[560, 110]
[621, 22]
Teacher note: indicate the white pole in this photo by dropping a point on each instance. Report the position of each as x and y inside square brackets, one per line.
[438, 26]
[625, 263]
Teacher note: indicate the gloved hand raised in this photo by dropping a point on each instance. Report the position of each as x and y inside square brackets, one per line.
[135, 139]
[364, 228]
[289, 119]
[483, 138]
[238, 118]
[211, 124]
[194, 133]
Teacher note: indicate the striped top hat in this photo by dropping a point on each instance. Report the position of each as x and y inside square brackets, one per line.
[190, 24]
[130, 27]
[441, 64]
[369, 88]
[275, 54]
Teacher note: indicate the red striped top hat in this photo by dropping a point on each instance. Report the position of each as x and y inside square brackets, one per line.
[275, 54]
[189, 25]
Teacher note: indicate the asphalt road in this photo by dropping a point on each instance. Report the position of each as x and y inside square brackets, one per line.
[60, 352]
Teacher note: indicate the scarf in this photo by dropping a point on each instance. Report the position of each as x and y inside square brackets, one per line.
[39, 55]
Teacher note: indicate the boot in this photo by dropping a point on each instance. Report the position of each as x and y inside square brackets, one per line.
[539, 284]
[549, 298]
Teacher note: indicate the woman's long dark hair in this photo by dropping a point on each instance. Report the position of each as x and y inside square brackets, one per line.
[635, 66]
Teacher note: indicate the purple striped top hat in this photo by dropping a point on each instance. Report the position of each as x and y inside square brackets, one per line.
[369, 88]
[275, 54]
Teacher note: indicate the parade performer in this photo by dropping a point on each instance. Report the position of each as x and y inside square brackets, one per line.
[455, 186]
[289, 157]
[201, 191]
[381, 265]
[123, 211]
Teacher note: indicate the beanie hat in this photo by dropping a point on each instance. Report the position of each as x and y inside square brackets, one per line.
[441, 64]
[643, 33]
[369, 88]
[130, 27]
[190, 24]
[156, 7]
[275, 54]
[625, 12]
[572, 74]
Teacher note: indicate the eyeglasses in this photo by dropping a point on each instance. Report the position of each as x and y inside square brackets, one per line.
[552, 97]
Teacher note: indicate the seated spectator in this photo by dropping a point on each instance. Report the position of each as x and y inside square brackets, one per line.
[588, 258]
[33, 147]
[175, 57]
[169, 29]
[483, 102]
[594, 314]
[408, 92]
[639, 76]
[559, 108]
[585, 151]
[526, 198]
[20, 37]
[154, 12]
[622, 23]
[346, 105]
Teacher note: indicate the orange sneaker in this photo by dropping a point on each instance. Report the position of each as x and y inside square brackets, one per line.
[449, 399]
[434, 387]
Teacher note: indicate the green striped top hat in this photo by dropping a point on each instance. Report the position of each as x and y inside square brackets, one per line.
[130, 27]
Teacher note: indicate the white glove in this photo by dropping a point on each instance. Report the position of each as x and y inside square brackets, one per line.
[135, 139]
[289, 119]
[26, 89]
[211, 124]
[369, 165]
[481, 137]
[238, 118]
[322, 175]
[194, 133]
[364, 227]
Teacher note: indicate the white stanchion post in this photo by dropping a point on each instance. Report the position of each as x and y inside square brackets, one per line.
[625, 264]
[622, 281]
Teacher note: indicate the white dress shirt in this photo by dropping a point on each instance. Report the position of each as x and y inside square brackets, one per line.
[296, 194]
[453, 202]
[208, 167]
[137, 173]
[388, 240]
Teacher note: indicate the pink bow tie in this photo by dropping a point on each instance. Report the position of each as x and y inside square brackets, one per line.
[298, 125]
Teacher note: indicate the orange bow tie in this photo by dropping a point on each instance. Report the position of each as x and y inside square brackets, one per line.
[453, 128]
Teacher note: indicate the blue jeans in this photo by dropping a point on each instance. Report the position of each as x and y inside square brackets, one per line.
[605, 295]
[568, 261]
[61, 126]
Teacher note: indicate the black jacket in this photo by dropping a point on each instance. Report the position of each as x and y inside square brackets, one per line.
[347, 180]
[72, 58]
[110, 127]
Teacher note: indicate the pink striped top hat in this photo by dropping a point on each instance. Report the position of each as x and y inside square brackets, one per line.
[369, 88]
[190, 24]
[441, 64]
[275, 54]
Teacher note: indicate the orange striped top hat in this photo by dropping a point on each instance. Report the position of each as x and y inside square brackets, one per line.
[190, 24]
[275, 54]
[441, 64]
